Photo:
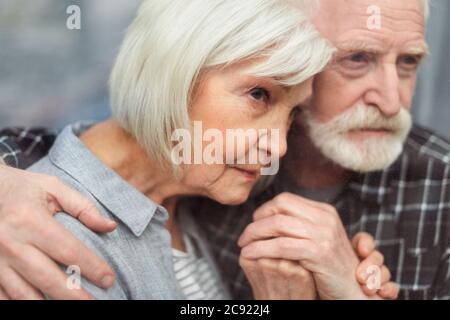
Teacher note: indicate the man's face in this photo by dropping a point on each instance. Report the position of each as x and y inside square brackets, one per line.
[359, 115]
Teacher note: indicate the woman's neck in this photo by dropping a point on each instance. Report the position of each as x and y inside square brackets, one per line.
[118, 150]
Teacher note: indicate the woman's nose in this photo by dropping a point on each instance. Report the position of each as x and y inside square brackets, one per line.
[277, 142]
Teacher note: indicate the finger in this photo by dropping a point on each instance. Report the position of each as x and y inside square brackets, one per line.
[299, 200]
[289, 207]
[3, 295]
[275, 226]
[385, 277]
[308, 285]
[16, 288]
[389, 291]
[362, 271]
[367, 291]
[62, 246]
[363, 243]
[79, 207]
[45, 275]
[279, 248]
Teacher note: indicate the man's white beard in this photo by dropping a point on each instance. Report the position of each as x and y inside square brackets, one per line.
[360, 155]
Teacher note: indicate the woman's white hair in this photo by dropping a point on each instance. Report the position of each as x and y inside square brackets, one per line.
[171, 42]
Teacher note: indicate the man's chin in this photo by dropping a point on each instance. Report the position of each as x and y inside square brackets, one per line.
[363, 155]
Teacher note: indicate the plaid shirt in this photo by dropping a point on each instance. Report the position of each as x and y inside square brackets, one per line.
[20, 147]
[406, 207]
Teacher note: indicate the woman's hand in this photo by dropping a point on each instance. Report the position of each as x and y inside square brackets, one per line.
[31, 240]
[273, 279]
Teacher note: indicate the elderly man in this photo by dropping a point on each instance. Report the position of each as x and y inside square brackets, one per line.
[354, 147]
[354, 164]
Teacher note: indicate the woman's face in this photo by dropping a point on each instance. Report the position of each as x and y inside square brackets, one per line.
[245, 114]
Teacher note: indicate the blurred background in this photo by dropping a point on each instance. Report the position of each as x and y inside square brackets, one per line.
[51, 76]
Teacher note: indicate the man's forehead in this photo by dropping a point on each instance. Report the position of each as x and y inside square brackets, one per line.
[358, 6]
[336, 17]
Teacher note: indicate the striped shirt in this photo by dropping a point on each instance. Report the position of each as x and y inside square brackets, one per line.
[194, 275]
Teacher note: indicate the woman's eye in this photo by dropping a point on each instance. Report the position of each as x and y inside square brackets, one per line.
[260, 94]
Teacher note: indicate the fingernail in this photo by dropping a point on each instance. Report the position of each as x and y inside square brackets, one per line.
[112, 224]
[107, 281]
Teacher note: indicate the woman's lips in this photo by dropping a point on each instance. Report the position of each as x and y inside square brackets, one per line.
[248, 173]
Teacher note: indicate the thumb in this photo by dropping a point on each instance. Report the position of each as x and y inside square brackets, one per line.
[363, 244]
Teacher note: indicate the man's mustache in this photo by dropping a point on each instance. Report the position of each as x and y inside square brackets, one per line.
[364, 117]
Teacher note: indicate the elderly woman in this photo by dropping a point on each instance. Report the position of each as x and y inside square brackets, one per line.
[225, 64]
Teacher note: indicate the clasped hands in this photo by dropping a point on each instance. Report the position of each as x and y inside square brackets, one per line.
[298, 249]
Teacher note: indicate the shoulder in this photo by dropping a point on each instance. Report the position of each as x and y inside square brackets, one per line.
[415, 190]
[419, 179]
[427, 146]
[102, 245]
[46, 167]
[424, 161]
[420, 182]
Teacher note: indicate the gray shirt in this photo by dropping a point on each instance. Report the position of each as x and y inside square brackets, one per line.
[139, 250]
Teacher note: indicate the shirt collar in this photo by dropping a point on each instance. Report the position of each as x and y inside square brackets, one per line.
[126, 203]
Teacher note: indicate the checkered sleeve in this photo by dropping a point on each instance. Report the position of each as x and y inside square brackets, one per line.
[442, 281]
[21, 147]
[8, 152]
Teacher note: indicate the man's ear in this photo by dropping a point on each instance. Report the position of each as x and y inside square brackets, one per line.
[2, 162]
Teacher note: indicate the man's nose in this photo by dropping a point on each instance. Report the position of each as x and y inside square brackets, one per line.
[387, 97]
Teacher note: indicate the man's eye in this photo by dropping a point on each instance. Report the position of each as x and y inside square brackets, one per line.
[358, 57]
[408, 65]
[409, 61]
[356, 61]
[260, 94]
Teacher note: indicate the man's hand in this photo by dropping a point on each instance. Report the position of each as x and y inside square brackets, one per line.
[364, 246]
[31, 240]
[297, 229]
